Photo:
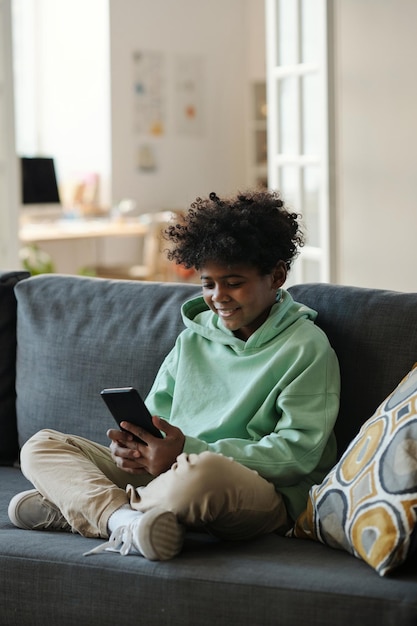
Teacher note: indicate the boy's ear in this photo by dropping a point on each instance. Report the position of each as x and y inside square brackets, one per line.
[279, 274]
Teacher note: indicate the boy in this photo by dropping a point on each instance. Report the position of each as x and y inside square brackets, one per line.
[246, 399]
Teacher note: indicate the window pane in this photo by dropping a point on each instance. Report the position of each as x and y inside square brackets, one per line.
[310, 204]
[311, 271]
[26, 85]
[311, 114]
[289, 185]
[287, 32]
[311, 32]
[288, 116]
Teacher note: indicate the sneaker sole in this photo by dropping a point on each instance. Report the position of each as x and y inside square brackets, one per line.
[160, 535]
[14, 505]
[45, 521]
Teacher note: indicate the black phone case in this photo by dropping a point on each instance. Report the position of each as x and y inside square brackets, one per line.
[125, 404]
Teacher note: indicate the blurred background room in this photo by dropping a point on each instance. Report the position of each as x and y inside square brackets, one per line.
[134, 108]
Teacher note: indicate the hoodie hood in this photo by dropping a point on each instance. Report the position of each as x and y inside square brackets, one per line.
[284, 313]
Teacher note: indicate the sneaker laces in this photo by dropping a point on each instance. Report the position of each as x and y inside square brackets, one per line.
[155, 535]
[121, 540]
[54, 519]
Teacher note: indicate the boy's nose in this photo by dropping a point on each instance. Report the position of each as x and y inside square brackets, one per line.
[220, 295]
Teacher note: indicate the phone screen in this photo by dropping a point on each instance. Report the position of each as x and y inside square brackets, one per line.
[126, 405]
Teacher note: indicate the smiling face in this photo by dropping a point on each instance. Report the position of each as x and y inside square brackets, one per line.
[240, 295]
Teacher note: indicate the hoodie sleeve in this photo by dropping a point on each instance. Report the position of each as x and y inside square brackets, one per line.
[160, 397]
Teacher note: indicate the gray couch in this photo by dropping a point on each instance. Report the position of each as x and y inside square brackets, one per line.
[77, 335]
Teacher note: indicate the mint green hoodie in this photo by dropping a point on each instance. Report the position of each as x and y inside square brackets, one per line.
[269, 402]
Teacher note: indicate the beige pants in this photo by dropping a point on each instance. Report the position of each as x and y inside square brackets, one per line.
[205, 491]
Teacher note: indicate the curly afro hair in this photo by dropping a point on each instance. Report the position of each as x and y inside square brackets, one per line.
[252, 228]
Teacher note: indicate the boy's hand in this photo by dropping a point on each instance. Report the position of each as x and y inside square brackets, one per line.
[138, 458]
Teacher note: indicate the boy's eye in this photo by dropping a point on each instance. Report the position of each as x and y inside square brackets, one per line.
[227, 285]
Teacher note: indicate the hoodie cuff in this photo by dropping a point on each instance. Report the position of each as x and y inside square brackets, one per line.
[193, 445]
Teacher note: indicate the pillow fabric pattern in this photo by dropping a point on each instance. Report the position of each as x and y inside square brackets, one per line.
[367, 504]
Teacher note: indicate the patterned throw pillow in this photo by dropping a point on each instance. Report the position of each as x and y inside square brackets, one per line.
[367, 504]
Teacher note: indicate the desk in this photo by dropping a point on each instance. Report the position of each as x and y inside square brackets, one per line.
[63, 241]
[62, 230]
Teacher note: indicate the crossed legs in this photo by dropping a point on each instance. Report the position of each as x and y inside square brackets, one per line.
[204, 491]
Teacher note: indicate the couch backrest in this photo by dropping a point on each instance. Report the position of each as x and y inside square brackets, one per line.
[374, 333]
[77, 335]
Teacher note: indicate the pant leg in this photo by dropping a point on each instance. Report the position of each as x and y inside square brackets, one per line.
[79, 477]
[205, 491]
[216, 493]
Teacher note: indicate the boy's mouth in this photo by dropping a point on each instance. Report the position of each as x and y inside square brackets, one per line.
[226, 312]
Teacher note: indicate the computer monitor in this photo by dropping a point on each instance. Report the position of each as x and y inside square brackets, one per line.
[39, 188]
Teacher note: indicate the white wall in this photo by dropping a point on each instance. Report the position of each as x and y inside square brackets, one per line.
[254, 48]
[187, 166]
[376, 142]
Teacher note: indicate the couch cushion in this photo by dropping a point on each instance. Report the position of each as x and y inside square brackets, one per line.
[367, 504]
[77, 335]
[8, 430]
[269, 581]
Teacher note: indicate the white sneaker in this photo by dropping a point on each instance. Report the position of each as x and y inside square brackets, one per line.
[30, 511]
[156, 535]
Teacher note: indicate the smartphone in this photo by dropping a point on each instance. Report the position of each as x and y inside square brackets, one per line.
[125, 404]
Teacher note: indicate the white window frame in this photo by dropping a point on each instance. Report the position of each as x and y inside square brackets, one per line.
[313, 256]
